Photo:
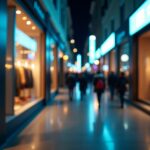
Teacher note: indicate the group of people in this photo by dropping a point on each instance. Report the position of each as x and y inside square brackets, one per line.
[83, 80]
[114, 82]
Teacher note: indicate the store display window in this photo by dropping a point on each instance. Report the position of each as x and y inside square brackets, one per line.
[113, 61]
[124, 65]
[28, 62]
[124, 59]
[54, 68]
[106, 65]
[144, 67]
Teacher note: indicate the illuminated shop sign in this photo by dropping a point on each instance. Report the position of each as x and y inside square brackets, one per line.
[92, 48]
[25, 40]
[140, 18]
[79, 62]
[108, 45]
[98, 53]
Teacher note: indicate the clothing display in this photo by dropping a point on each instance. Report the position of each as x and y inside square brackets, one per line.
[24, 79]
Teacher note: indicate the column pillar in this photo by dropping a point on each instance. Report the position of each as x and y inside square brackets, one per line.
[10, 61]
[3, 43]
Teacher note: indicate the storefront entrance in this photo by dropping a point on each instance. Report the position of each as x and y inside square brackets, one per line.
[144, 67]
[24, 62]
[112, 63]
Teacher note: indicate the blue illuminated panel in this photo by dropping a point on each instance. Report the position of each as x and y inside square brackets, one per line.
[92, 48]
[25, 40]
[98, 53]
[140, 18]
[79, 62]
[108, 45]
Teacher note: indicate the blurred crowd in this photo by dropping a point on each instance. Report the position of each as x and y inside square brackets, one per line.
[117, 85]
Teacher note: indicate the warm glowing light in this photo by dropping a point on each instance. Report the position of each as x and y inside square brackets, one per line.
[18, 12]
[24, 18]
[8, 66]
[65, 110]
[26, 65]
[65, 57]
[61, 54]
[124, 58]
[28, 22]
[75, 50]
[52, 68]
[33, 27]
[32, 66]
[72, 41]
[96, 62]
[18, 63]
[33, 147]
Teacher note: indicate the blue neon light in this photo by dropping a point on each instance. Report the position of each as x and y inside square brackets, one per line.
[108, 45]
[98, 53]
[79, 62]
[140, 18]
[92, 48]
[25, 40]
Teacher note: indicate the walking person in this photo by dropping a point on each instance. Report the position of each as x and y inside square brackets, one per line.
[122, 87]
[112, 83]
[83, 84]
[99, 85]
[71, 82]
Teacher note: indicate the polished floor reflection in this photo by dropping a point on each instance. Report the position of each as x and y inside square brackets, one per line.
[80, 125]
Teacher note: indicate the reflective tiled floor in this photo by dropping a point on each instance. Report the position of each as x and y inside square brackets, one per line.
[80, 125]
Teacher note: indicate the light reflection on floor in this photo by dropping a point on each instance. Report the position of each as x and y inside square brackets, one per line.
[81, 125]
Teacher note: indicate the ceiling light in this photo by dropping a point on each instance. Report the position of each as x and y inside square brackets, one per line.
[124, 58]
[75, 50]
[24, 18]
[33, 27]
[96, 62]
[18, 12]
[28, 22]
[72, 41]
[65, 57]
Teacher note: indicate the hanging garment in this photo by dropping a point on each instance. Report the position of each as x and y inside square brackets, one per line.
[18, 82]
[22, 77]
[29, 78]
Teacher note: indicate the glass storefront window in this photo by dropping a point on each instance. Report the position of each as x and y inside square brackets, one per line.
[54, 69]
[113, 61]
[124, 59]
[144, 67]
[124, 64]
[28, 62]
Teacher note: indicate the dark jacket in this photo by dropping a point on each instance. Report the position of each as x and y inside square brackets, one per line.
[112, 80]
[71, 81]
[83, 83]
[122, 84]
[96, 79]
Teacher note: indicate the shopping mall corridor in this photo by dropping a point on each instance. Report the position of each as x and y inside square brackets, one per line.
[80, 125]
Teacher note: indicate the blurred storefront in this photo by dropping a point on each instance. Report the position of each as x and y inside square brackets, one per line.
[140, 37]
[28, 62]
